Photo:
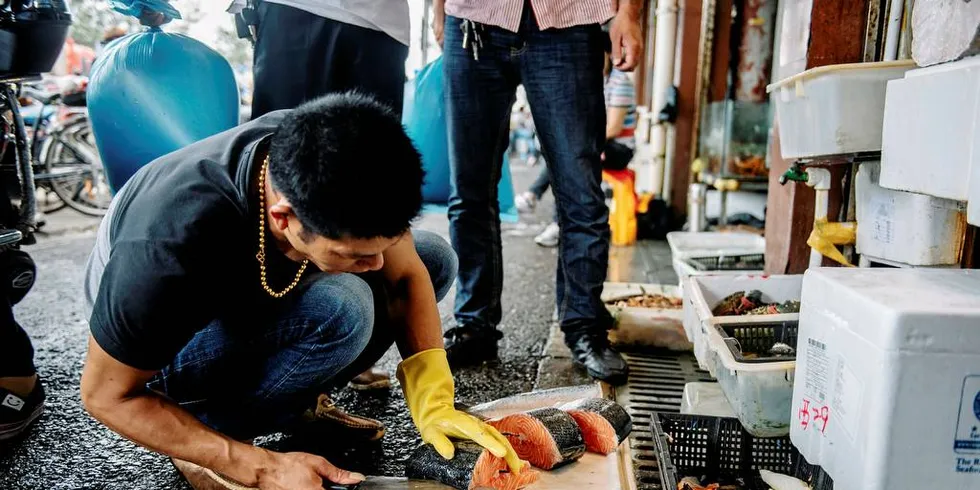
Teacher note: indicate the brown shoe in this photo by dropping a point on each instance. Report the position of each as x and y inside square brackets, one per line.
[201, 478]
[372, 379]
[329, 418]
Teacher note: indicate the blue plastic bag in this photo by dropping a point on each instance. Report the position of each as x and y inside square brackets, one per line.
[424, 117]
[136, 8]
[152, 93]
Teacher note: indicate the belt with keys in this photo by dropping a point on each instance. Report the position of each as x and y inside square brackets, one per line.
[471, 37]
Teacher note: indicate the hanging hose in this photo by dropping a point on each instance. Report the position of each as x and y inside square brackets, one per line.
[25, 169]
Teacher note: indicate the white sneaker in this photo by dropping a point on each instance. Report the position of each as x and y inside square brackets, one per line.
[548, 237]
[526, 202]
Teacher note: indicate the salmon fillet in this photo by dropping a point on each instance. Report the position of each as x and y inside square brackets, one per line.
[471, 468]
[604, 424]
[546, 437]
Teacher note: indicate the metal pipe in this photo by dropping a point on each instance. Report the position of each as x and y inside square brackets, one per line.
[894, 32]
[663, 75]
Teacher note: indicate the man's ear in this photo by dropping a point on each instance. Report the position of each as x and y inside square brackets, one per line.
[280, 212]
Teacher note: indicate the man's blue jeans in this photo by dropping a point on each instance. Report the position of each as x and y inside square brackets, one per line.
[561, 70]
[251, 380]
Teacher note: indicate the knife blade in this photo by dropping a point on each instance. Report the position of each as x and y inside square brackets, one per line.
[390, 483]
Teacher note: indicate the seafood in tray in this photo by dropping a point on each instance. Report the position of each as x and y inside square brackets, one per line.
[547, 438]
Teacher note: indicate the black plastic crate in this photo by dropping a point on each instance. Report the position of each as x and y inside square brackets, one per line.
[750, 262]
[759, 338]
[719, 450]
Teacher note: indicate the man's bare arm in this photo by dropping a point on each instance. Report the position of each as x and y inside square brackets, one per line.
[438, 20]
[626, 35]
[116, 395]
[412, 299]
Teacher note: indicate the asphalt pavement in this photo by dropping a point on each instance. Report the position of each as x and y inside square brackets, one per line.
[67, 449]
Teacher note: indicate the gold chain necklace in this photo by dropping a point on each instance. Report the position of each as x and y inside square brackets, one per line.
[261, 255]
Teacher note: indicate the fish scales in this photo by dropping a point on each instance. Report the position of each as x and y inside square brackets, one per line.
[565, 431]
[426, 464]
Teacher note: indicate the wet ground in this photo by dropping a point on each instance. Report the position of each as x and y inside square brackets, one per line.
[67, 449]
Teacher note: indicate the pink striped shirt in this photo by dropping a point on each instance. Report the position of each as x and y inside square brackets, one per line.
[550, 13]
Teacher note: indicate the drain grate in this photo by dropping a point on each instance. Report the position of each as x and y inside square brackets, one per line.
[656, 384]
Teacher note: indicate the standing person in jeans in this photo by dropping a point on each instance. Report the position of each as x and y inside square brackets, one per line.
[555, 49]
[620, 96]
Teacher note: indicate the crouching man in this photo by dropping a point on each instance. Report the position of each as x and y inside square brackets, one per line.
[235, 278]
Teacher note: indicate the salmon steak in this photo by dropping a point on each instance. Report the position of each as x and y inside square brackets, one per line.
[604, 423]
[546, 437]
[471, 468]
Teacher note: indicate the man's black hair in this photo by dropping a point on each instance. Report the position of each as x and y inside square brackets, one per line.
[347, 167]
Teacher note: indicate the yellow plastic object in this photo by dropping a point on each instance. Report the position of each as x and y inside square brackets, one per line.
[825, 236]
[427, 383]
[622, 211]
[726, 185]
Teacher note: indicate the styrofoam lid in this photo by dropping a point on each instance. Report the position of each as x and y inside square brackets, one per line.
[704, 244]
[825, 70]
[924, 310]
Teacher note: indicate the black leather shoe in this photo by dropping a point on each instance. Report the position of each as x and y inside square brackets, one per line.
[592, 351]
[466, 346]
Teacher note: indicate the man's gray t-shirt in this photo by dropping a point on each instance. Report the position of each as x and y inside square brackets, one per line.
[176, 250]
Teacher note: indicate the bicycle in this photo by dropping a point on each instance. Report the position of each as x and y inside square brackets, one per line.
[66, 160]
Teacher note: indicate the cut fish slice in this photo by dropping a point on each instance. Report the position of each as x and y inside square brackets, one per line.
[471, 468]
[604, 424]
[547, 437]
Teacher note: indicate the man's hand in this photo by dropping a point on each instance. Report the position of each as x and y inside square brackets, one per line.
[302, 471]
[429, 392]
[439, 20]
[626, 36]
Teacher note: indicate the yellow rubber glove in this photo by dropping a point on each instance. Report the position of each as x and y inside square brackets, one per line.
[430, 393]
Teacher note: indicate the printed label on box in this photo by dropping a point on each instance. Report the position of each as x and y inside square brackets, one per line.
[968, 422]
[847, 398]
[817, 370]
[882, 226]
[814, 411]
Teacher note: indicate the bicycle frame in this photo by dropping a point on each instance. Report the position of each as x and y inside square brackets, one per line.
[28, 200]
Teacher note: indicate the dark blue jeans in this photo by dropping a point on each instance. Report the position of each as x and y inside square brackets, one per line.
[561, 70]
[250, 380]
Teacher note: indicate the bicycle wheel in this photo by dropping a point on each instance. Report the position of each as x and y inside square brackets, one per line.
[75, 169]
[49, 201]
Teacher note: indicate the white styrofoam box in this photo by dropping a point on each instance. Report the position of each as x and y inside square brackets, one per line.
[685, 244]
[704, 292]
[973, 192]
[833, 110]
[685, 270]
[760, 394]
[929, 133]
[887, 389]
[906, 227]
[646, 327]
[705, 399]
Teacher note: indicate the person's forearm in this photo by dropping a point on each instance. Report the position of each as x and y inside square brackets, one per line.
[415, 312]
[439, 7]
[615, 118]
[613, 129]
[629, 7]
[162, 426]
